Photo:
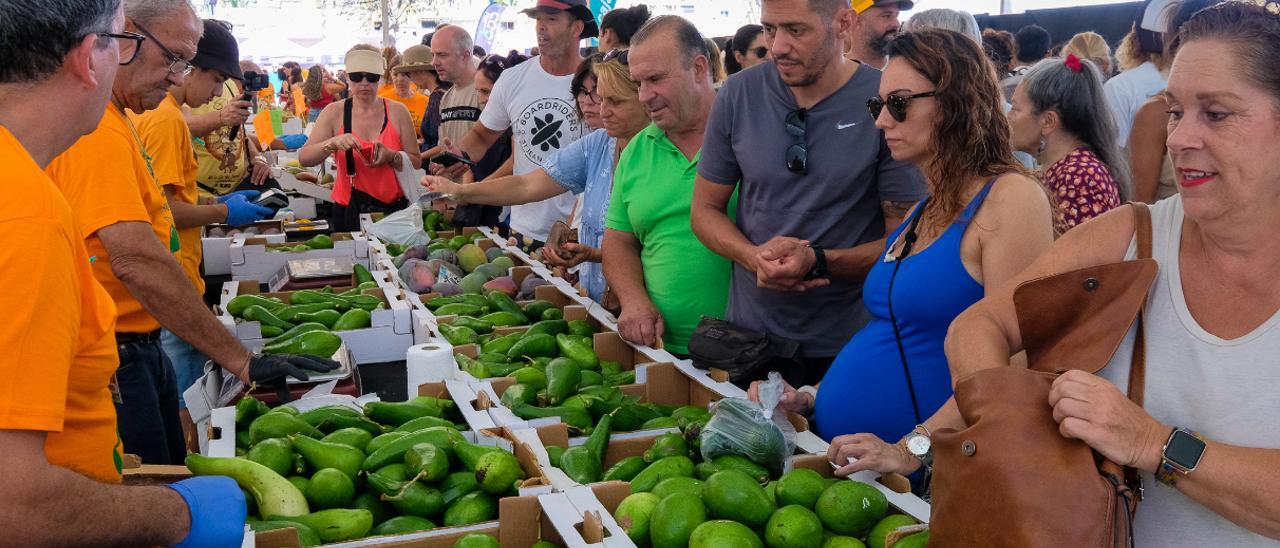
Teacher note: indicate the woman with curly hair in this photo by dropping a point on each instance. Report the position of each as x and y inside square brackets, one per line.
[984, 221]
[319, 89]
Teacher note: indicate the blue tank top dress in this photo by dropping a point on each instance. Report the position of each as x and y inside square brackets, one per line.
[866, 390]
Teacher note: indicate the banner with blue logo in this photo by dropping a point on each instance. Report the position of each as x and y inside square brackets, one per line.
[487, 28]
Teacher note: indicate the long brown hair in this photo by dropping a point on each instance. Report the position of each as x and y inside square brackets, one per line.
[971, 132]
[313, 88]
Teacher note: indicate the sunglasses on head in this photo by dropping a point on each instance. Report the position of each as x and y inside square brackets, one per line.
[761, 52]
[495, 60]
[619, 54]
[897, 104]
[359, 77]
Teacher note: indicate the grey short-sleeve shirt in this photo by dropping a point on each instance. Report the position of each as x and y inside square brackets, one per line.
[836, 205]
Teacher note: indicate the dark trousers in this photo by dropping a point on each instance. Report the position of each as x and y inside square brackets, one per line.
[147, 410]
[807, 371]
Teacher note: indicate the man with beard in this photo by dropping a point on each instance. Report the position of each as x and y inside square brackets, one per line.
[533, 99]
[813, 205]
[874, 23]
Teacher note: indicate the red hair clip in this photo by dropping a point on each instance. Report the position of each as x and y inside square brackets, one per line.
[1074, 63]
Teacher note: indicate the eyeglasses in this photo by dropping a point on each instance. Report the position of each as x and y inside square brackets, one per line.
[177, 65]
[761, 52]
[897, 105]
[797, 155]
[619, 54]
[592, 94]
[359, 77]
[133, 37]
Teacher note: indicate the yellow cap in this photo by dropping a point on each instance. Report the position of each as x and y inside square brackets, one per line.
[861, 5]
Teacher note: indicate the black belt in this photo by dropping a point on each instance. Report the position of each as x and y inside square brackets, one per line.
[129, 338]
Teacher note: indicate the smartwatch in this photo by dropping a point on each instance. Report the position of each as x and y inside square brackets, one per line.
[1181, 455]
[819, 269]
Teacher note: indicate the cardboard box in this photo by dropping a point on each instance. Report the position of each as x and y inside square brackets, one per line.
[217, 249]
[895, 487]
[311, 190]
[570, 309]
[660, 383]
[250, 259]
[387, 338]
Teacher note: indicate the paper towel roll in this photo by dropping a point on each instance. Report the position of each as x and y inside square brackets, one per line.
[429, 362]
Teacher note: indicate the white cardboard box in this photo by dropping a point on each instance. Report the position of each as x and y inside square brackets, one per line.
[386, 340]
[311, 190]
[216, 249]
[250, 259]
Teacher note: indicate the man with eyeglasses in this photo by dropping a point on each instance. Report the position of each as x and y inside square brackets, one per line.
[167, 138]
[817, 186]
[128, 228]
[665, 279]
[62, 458]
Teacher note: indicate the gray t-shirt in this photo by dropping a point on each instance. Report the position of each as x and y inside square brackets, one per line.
[836, 205]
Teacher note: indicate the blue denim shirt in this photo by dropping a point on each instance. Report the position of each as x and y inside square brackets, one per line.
[586, 167]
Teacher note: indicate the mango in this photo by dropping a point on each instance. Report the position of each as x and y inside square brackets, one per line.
[633, 515]
[470, 257]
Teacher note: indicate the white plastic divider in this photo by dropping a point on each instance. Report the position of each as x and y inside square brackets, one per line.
[559, 480]
[566, 510]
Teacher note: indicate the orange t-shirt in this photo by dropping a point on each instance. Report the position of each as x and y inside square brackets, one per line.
[59, 340]
[107, 178]
[166, 136]
[417, 105]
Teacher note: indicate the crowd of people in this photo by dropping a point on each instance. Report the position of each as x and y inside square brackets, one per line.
[869, 190]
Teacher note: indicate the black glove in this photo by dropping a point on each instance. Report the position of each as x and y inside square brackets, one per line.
[270, 368]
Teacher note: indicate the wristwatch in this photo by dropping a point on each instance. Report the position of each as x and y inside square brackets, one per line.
[819, 269]
[920, 446]
[1181, 455]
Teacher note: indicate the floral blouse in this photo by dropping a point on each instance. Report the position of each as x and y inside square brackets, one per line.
[1082, 188]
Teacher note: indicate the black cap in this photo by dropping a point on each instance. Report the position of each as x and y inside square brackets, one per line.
[578, 8]
[218, 50]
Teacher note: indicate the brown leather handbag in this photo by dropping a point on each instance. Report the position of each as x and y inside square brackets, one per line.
[1009, 478]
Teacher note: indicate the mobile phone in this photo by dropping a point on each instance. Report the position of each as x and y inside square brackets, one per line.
[273, 199]
[449, 159]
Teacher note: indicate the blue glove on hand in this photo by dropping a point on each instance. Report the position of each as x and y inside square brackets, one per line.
[248, 195]
[240, 211]
[217, 508]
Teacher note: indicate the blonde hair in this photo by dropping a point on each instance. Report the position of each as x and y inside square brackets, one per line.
[617, 78]
[1091, 46]
[1129, 54]
[716, 59]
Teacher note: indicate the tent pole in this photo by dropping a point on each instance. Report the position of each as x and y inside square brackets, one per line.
[386, 26]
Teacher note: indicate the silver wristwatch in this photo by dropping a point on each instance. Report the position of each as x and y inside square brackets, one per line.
[920, 447]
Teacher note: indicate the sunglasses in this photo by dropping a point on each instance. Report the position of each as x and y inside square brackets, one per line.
[359, 77]
[177, 65]
[619, 54]
[495, 60]
[797, 155]
[131, 43]
[761, 52]
[897, 105]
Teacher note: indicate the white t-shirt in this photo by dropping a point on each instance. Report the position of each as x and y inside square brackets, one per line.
[1223, 389]
[1126, 93]
[542, 113]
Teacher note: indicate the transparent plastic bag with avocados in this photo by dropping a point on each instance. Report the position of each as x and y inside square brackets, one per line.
[758, 431]
[403, 227]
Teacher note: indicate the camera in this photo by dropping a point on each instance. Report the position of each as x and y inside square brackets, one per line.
[255, 81]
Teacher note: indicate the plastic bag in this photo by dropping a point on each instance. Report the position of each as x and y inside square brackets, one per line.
[758, 431]
[402, 227]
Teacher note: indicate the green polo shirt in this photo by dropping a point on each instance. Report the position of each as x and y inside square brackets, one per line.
[652, 193]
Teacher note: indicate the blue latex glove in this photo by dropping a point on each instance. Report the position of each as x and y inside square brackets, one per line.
[248, 195]
[240, 211]
[217, 509]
